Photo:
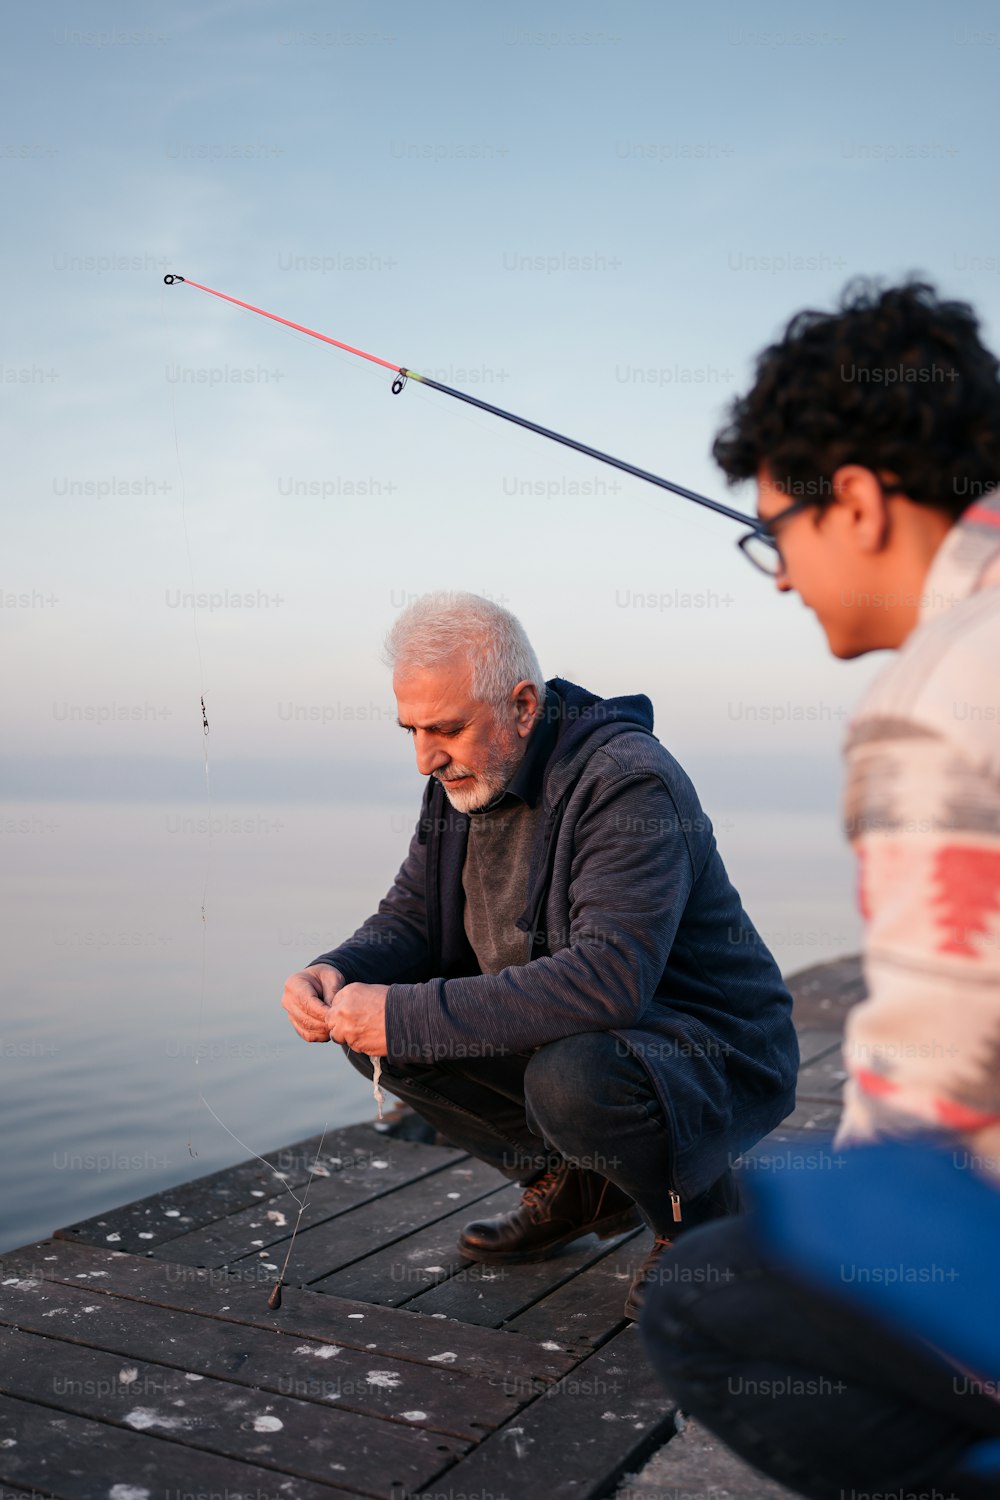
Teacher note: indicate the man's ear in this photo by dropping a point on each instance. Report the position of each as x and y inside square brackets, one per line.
[524, 700]
[862, 512]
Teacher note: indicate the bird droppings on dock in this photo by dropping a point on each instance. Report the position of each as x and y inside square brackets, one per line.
[144, 1417]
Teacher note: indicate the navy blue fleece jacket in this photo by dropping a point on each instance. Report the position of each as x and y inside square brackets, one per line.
[636, 929]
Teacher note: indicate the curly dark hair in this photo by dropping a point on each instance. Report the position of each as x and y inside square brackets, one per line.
[895, 380]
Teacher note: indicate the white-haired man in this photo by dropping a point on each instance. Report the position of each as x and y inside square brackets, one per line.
[562, 978]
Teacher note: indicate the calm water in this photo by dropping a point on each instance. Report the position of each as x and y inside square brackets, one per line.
[105, 1041]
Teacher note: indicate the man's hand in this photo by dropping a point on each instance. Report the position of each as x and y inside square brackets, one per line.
[307, 998]
[357, 1017]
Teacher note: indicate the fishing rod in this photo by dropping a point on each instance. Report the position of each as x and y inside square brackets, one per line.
[403, 374]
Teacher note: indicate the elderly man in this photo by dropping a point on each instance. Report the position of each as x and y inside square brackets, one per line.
[562, 978]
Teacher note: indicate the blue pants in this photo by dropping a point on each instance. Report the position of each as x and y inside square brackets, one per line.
[805, 1389]
[584, 1099]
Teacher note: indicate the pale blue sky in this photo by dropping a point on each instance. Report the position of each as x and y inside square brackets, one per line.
[392, 174]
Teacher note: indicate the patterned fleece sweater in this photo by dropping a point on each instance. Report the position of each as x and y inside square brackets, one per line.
[923, 813]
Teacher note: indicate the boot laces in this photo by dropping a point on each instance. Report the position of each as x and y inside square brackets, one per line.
[536, 1191]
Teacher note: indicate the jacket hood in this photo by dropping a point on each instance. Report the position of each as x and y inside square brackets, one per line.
[585, 723]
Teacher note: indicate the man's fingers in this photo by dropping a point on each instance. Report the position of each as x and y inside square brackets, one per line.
[306, 1008]
[327, 981]
[302, 993]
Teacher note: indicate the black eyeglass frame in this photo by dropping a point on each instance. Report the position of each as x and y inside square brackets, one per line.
[764, 532]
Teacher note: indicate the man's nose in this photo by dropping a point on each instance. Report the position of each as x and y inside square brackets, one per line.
[431, 754]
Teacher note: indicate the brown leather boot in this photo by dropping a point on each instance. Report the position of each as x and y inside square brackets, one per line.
[720, 1200]
[562, 1205]
[646, 1273]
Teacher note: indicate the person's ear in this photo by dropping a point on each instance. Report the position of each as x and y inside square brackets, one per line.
[862, 512]
[524, 700]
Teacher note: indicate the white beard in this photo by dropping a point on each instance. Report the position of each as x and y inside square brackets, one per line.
[490, 781]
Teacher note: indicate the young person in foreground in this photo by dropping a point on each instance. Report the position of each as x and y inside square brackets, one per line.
[873, 434]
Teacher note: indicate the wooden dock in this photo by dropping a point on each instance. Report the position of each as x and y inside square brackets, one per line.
[139, 1359]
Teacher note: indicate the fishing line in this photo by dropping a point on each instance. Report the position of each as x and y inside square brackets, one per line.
[403, 374]
[274, 1300]
[203, 981]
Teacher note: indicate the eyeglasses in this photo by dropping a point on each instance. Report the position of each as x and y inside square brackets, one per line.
[760, 545]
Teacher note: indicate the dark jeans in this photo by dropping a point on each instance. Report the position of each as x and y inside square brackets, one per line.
[583, 1099]
[802, 1386]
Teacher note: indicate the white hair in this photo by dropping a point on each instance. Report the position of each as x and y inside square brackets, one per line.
[439, 626]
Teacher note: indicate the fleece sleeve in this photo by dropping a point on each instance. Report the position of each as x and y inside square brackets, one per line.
[923, 1051]
[631, 876]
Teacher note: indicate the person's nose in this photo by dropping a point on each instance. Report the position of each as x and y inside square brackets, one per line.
[431, 754]
[781, 582]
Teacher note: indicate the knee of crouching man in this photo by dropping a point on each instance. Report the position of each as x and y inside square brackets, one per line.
[564, 1077]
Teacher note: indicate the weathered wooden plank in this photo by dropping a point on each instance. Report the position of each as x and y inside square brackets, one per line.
[326, 1247]
[262, 1358]
[478, 1351]
[395, 1273]
[201, 1200]
[490, 1295]
[76, 1458]
[823, 1079]
[426, 1273]
[360, 1179]
[824, 993]
[818, 1041]
[590, 1308]
[573, 1441]
[277, 1431]
[164, 1217]
[809, 1115]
